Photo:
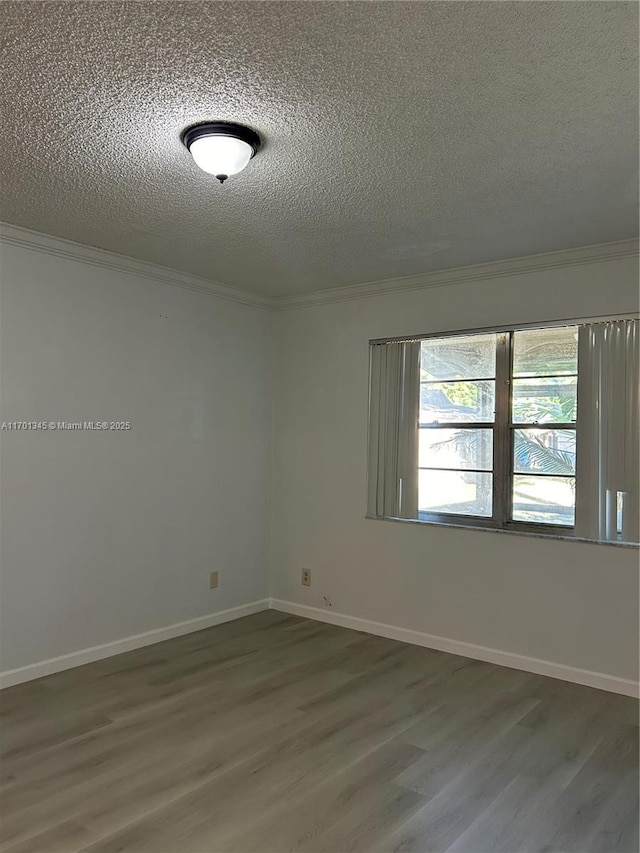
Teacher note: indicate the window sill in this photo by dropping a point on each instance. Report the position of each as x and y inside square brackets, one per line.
[509, 532]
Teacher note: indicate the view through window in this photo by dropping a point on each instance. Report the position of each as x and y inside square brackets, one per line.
[497, 438]
[544, 399]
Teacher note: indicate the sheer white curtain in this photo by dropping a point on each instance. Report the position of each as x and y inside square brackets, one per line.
[607, 466]
[394, 399]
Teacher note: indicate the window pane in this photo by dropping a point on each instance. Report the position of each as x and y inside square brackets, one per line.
[456, 448]
[544, 400]
[464, 357]
[546, 500]
[457, 402]
[538, 352]
[453, 492]
[544, 451]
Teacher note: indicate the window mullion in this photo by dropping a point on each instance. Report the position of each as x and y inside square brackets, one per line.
[501, 448]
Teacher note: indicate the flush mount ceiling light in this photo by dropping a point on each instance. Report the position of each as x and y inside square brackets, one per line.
[221, 148]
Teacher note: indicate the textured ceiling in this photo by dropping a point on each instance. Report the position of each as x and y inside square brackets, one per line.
[400, 137]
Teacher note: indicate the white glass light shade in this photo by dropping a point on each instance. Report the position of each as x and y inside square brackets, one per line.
[220, 155]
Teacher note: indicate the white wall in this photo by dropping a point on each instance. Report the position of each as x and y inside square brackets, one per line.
[567, 602]
[110, 534]
[105, 535]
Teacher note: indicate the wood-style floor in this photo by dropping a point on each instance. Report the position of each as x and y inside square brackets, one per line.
[275, 733]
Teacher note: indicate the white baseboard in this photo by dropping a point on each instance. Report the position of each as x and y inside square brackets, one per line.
[127, 644]
[600, 680]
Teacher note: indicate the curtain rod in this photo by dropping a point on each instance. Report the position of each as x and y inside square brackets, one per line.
[540, 324]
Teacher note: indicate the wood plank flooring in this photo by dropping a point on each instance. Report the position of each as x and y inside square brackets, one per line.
[275, 733]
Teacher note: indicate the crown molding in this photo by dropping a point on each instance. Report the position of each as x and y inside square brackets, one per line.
[58, 247]
[15, 235]
[460, 275]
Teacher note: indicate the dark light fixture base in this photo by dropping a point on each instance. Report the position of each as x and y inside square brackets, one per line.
[222, 128]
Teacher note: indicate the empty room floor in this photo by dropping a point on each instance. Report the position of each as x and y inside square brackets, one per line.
[275, 733]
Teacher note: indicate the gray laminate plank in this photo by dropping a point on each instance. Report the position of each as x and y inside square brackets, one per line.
[321, 822]
[586, 816]
[277, 733]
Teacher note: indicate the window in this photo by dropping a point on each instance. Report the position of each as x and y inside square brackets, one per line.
[483, 429]
[544, 384]
[457, 425]
[474, 430]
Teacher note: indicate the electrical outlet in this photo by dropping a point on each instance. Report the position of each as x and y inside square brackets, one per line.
[306, 577]
[213, 580]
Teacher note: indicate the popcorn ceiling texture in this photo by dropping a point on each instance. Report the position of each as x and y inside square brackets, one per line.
[400, 137]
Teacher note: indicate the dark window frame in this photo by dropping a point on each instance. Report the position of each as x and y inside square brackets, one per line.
[503, 428]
